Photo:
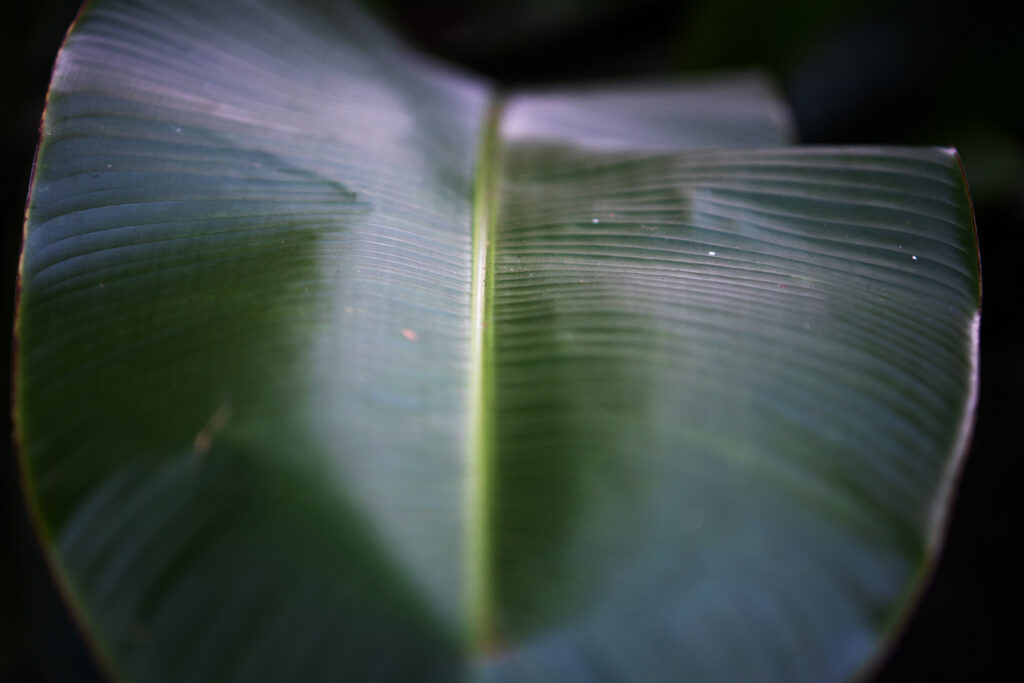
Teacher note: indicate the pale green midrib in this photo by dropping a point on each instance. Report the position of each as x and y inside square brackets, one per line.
[478, 552]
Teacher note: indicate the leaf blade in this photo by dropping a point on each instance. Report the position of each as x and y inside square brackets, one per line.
[729, 401]
[230, 273]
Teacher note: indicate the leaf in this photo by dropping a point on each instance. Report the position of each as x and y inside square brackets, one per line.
[334, 363]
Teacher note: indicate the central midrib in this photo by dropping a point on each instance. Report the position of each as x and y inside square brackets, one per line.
[478, 599]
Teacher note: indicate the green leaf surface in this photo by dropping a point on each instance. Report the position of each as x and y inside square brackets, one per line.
[335, 364]
[727, 385]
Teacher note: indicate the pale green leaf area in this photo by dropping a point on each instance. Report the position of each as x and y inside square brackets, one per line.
[335, 363]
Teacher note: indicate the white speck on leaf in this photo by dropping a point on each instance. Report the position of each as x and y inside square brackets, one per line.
[712, 253]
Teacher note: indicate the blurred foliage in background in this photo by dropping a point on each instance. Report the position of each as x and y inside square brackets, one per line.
[854, 71]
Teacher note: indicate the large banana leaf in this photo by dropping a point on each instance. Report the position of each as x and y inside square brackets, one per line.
[335, 364]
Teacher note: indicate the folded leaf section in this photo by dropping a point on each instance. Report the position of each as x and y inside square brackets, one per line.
[730, 390]
[244, 342]
[722, 111]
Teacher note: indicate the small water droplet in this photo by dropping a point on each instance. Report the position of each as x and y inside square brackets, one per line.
[109, 165]
[712, 253]
[914, 257]
[807, 326]
[177, 129]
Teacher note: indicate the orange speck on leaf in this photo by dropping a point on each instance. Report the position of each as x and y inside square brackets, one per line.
[409, 334]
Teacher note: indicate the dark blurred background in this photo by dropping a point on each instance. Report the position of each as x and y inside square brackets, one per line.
[854, 71]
